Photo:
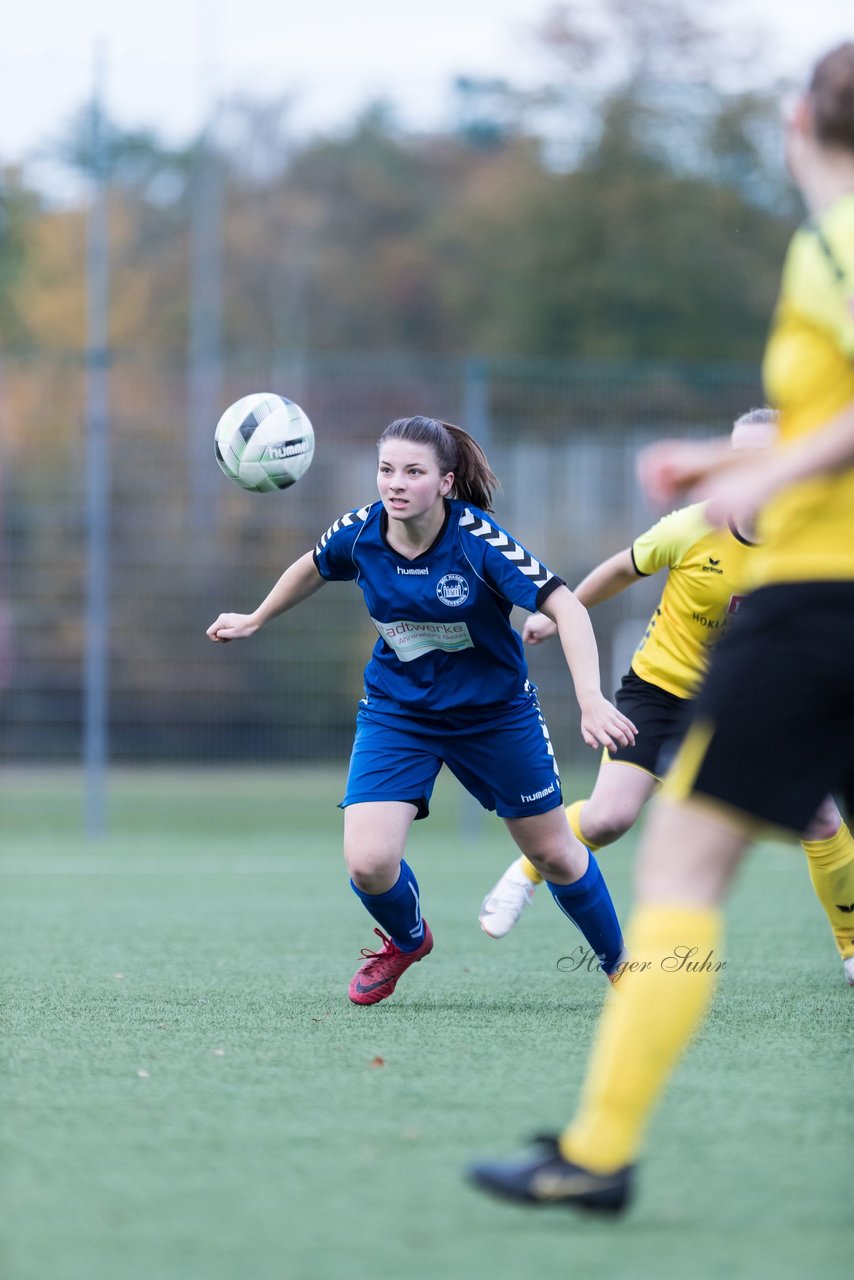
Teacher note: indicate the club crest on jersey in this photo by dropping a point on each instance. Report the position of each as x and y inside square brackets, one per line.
[452, 589]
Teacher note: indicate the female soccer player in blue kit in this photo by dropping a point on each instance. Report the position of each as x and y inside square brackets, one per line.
[447, 683]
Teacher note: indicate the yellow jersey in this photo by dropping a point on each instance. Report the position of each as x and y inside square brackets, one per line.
[808, 370]
[707, 569]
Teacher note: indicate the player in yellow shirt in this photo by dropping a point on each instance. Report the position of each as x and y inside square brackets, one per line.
[773, 725]
[707, 567]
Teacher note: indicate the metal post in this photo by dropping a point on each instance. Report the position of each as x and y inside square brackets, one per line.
[204, 382]
[475, 420]
[96, 661]
[204, 374]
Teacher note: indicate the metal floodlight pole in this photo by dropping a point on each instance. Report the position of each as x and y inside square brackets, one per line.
[475, 420]
[476, 415]
[204, 374]
[205, 379]
[96, 662]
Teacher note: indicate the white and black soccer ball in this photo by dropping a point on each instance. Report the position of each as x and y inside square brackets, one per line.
[264, 442]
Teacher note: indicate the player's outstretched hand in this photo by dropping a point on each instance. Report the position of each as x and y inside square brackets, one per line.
[231, 626]
[602, 725]
[538, 628]
[670, 468]
[735, 497]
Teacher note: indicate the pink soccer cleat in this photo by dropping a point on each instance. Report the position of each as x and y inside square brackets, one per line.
[377, 977]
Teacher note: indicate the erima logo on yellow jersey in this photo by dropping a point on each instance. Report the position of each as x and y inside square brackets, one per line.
[712, 566]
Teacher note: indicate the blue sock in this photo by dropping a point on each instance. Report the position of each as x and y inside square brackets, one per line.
[398, 910]
[588, 904]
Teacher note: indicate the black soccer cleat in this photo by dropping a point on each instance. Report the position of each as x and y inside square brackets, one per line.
[549, 1179]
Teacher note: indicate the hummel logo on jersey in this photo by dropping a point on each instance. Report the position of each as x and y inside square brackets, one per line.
[412, 571]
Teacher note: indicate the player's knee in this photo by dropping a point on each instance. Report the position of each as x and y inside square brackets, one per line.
[822, 828]
[606, 825]
[825, 822]
[559, 857]
[372, 870]
[552, 860]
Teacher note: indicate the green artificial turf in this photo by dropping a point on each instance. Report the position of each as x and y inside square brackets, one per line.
[189, 1095]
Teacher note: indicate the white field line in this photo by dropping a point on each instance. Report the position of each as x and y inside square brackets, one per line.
[16, 866]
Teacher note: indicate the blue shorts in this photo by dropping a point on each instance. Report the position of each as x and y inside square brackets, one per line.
[505, 761]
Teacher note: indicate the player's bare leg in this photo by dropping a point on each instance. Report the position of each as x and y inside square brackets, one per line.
[618, 796]
[616, 801]
[574, 881]
[374, 840]
[689, 855]
[375, 837]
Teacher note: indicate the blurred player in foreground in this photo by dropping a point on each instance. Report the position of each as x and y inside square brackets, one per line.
[447, 683]
[708, 568]
[773, 726]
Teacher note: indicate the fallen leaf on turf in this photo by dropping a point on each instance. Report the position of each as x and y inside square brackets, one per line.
[377, 1062]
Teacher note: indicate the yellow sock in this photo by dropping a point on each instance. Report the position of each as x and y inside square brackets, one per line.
[573, 812]
[831, 868]
[649, 1017]
[573, 817]
[527, 868]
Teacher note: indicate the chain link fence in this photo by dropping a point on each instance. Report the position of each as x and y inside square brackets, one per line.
[182, 544]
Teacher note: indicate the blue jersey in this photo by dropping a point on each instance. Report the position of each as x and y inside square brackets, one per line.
[445, 640]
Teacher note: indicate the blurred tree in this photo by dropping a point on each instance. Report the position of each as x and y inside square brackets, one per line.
[20, 208]
[660, 83]
[633, 205]
[655, 221]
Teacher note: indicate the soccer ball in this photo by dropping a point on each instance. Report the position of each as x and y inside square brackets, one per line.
[264, 442]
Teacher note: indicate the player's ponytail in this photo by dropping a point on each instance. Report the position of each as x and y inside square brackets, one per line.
[455, 450]
[831, 93]
[474, 479]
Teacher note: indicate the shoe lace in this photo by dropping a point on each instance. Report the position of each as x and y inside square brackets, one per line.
[387, 946]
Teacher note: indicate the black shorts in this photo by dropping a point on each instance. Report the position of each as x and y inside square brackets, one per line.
[661, 719]
[773, 725]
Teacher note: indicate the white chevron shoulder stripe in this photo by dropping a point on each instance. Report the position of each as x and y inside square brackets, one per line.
[511, 550]
[343, 522]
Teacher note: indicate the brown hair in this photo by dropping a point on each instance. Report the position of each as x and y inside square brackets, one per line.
[831, 92]
[455, 450]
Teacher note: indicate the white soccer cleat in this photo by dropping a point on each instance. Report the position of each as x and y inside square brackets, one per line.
[848, 970]
[505, 902]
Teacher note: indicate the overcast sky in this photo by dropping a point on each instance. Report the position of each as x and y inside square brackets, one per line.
[165, 58]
